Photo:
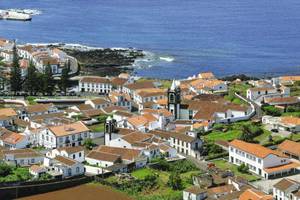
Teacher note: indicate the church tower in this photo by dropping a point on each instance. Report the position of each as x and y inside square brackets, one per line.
[174, 99]
[108, 130]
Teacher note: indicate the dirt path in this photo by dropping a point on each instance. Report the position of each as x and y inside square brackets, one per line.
[87, 191]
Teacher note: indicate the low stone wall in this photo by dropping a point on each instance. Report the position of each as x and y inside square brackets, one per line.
[13, 192]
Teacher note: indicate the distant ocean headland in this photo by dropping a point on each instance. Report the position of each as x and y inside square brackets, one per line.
[179, 38]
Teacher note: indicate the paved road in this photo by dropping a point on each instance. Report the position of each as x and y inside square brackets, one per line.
[258, 112]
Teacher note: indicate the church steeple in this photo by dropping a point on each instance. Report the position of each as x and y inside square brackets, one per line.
[108, 129]
[174, 99]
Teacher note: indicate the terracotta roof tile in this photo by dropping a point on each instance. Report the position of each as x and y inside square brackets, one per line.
[65, 160]
[95, 79]
[97, 155]
[290, 147]
[254, 149]
[252, 194]
[69, 129]
[127, 154]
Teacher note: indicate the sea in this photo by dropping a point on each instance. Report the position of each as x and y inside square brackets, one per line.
[182, 37]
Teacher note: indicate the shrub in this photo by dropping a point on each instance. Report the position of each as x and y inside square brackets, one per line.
[250, 131]
[271, 110]
[175, 181]
[243, 168]
[5, 169]
[31, 100]
[88, 143]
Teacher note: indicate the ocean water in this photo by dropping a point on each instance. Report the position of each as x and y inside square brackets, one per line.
[226, 37]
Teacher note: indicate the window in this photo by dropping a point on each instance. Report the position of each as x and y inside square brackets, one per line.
[32, 160]
[77, 169]
[73, 156]
[79, 154]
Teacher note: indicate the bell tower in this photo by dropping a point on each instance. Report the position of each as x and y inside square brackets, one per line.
[108, 130]
[174, 99]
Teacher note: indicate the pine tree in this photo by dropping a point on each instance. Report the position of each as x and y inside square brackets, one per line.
[64, 80]
[31, 83]
[15, 78]
[48, 80]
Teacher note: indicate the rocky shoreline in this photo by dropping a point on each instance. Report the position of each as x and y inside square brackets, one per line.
[105, 61]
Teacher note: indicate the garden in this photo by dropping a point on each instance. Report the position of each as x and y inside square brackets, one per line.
[238, 171]
[161, 180]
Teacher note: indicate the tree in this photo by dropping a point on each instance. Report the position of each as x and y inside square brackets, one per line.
[48, 80]
[88, 143]
[5, 169]
[175, 181]
[64, 80]
[31, 83]
[15, 78]
[249, 132]
[243, 168]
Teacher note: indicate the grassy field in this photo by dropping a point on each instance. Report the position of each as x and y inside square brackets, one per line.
[97, 127]
[234, 131]
[240, 88]
[163, 191]
[294, 114]
[295, 89]
[224, 165]
[226, 136]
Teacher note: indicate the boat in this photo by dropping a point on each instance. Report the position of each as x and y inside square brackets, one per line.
[14, 15]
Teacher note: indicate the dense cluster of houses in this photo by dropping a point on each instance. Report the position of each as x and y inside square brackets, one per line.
[39, 55]
[165, 123]
[142, 121]
[278, 166]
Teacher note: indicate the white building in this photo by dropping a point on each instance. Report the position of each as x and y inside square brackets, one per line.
[12, 140]
[260, 160]
[37, 170]
[286, 189]
[98, 103]
[64, 135]
[286, 123]
[194, 193]
[186, 144]
[23, 157]
[95, 84]
[102, 159]
[258, 94]
[75, 153]
[64, 166]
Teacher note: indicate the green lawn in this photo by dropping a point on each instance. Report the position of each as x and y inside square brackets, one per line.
[294, 114]
[224, 165]
[97, 128]
[240, 88]
[295, 90]
[263, 138]
[142, 173]
[295, 137]
[226, 136]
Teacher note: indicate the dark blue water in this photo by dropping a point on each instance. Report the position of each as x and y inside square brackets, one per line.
[226, 37]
